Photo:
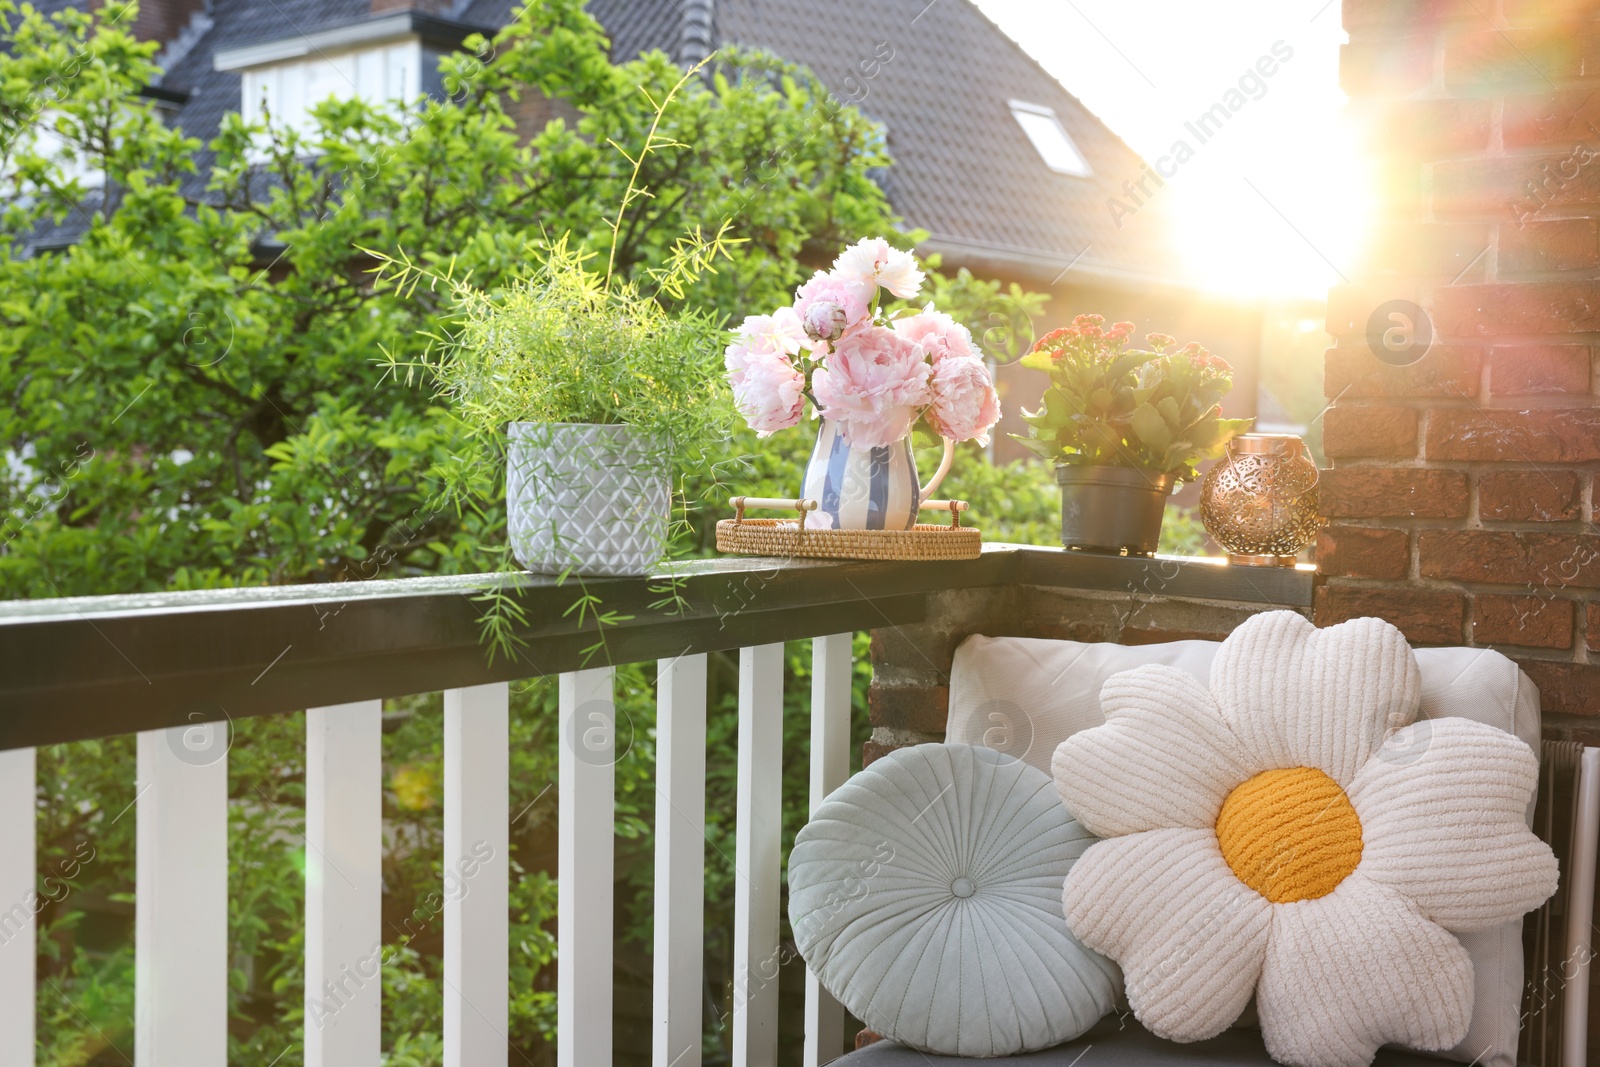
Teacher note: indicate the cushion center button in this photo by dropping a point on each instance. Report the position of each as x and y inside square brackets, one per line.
[963, 887]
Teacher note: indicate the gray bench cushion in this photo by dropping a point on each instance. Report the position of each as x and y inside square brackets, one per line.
[1118, 1042]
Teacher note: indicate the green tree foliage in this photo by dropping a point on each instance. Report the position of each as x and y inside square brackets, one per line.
[195, 399]
[213, 352]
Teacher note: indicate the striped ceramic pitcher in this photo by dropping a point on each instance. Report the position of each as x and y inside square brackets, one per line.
[865, 488]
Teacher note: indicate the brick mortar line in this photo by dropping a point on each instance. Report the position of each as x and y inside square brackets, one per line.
[894, 735]
[1576, 594]
[1564, 211]
[1356, 341]
[1473, 519]
[1572, 527]
[1462, 466]
[1489, 404]
[1539, 277]
[1156, 598]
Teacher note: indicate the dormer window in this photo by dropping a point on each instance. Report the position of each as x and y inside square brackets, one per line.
[291, 88]
[389, 59]
[1050, 139]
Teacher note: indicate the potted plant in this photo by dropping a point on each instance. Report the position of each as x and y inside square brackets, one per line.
[870, 374]
[597, 398]
[1124, 426]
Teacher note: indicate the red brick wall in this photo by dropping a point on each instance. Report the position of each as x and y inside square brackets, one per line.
[432, 7]
[162, 20]
[1461, 499]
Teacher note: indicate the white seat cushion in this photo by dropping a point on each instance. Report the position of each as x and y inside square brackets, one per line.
[1024, 696]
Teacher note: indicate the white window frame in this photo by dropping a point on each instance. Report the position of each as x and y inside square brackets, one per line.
[388, 73]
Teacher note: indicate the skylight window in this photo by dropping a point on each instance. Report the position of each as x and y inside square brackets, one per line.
[1049, 139]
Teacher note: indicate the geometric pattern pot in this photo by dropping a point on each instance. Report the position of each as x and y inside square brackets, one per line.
[586, 498]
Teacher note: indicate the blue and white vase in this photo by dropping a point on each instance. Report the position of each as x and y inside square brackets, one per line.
[863, 488]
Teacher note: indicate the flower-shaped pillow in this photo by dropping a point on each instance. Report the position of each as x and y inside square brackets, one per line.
[1289, 833]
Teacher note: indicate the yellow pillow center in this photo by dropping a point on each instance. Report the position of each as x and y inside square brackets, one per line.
[1290, 834]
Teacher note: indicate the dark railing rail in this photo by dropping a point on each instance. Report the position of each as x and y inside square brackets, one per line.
[82, 667]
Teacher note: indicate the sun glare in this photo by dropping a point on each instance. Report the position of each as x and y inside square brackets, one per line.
[1256, 227]
[1238, 106]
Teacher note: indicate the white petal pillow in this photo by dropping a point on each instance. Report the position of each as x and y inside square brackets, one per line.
[1024, 696]
[925, 894]
[1291, 831]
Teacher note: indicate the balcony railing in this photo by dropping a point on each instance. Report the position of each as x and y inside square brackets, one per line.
[172, 667]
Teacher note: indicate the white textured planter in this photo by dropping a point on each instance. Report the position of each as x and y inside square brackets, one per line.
[589, 498]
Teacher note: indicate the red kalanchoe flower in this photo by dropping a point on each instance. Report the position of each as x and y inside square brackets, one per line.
[1158, 341]
[1212, 364]
[1054, 339]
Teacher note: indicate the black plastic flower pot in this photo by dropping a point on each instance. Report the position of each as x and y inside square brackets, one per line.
[1113, 510]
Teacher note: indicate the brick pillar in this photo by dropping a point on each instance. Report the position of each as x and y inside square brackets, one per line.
[1463, 487]
[909, 699]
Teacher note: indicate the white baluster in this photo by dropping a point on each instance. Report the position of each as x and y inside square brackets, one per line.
[756, 855]
[830, 766]
[477, 845]
[680, 859]
[588, 723]
[19, 898]
[1580, 914]
[344, 885]
[181, 916]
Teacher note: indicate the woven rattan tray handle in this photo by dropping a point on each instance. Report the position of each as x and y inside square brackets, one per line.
[740, 503]
[770, 503]
[954, 507]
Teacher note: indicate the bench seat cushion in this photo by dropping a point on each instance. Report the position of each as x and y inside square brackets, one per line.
[1024, 696]
[1118, 1041]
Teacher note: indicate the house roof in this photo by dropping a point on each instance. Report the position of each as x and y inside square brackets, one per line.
[964, 170]
[939, 76]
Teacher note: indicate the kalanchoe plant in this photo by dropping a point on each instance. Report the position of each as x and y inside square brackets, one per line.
[1107, 404]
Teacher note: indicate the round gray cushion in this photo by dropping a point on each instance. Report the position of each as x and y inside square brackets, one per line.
[925, 894]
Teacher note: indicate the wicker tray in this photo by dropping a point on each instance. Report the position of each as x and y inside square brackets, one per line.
[788, 537]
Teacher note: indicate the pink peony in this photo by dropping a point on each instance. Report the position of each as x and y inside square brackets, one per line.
[736, 357]
[940, 336]
[873, 385]
[965, 405]
[874, 261]
[769, 392]
[829, 306]
[778, 334]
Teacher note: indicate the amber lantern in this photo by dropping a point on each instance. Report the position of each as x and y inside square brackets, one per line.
[1260, 502]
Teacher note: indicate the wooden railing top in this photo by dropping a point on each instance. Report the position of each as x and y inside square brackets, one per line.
[81, 667]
